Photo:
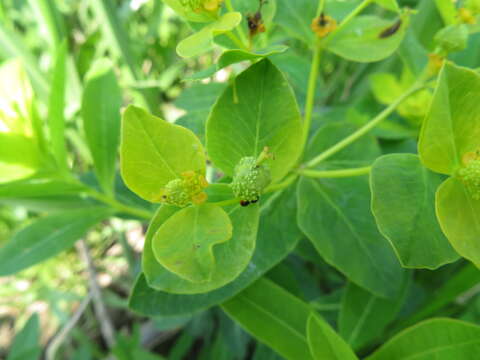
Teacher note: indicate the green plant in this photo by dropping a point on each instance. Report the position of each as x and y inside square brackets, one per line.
[275, 171]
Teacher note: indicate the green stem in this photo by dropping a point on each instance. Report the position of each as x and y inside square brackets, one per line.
[335, 173]
[239, 29]
[321, 5]
[347, 20]
[226, 202]
[236, 40]
[312, 86]
[119, 206]
[366, 128]
[281, 185]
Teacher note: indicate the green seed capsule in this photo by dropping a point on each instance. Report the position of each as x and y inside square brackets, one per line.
[250, 179]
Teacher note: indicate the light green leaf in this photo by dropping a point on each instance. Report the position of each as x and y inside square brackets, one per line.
[56, 106]
[202, 41]
[274, 316]
[231, 257]
[345, 203]
[391, 5]
[39, 187]
[153, 152]
[187, 12]
[452, 125]
[19, 157]
[247, 118]
[101, 103]
[385, 87]
[278, 235]
[403, 203]
[296, 18]
[439, 339]
[184, 243]
[197, 101]
[47, 237]
[234, 56]
[447, 10]
[367, 38]
[363, 316]
[26, 344]
[459, 217]
[325, 343]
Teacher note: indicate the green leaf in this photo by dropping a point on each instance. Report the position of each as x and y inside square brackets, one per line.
[101, 103]
[56, 106]
[447, 10]
[391, 5]
[440, 339]
[403, 203]
[367, 38]
[47, 237]
[278, 235]
[19, 157]
[197, 101]
[230, 258]
[459, 217]
[363, 316]
[274, 316]
[39, 187]
[26, 344]
[452, 125]
[153, 152]
[346, 225]
[184, 243]
[459, 283]
[296, 17]
[247, 118]
[202, 41]
[325, 343]
[234, 56]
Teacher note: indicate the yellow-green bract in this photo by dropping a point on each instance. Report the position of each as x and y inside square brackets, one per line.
[154, 152]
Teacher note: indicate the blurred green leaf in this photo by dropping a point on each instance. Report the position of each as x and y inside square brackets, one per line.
[273, 316]
[26, 344]
[202, 41]
[442, 339]
[56, 106]
[325, 343]
[46, 237]
[101, 103]
[296, 17]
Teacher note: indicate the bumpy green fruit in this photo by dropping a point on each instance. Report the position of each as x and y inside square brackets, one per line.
[470, 176]
[186, 190]
[250, 179]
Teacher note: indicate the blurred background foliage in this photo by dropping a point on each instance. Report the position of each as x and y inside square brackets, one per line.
[139, 37]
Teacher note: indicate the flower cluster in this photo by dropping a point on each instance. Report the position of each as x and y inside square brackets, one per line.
[185, 190]
[470, 175]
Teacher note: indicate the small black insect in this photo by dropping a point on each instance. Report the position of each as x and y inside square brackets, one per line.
[255, 21]
[244, 203]
[322, 20]
[391, 30]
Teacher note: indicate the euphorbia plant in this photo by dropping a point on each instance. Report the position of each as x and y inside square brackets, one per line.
[352, 175]
[268, 167]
